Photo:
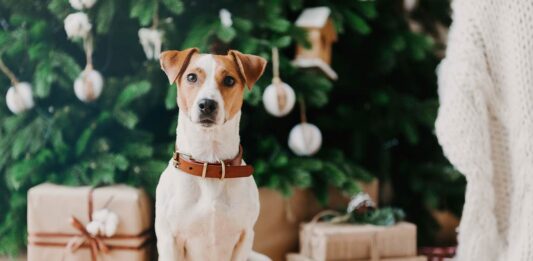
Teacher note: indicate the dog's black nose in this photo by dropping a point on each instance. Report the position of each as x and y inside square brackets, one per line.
[207, 106]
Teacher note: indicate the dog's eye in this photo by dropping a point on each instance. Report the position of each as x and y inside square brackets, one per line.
[191, 77]
[229, 81]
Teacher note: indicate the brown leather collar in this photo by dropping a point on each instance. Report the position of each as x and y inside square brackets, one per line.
[230, 169]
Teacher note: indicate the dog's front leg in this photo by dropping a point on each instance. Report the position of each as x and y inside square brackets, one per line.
[169, 246]
[243, 248]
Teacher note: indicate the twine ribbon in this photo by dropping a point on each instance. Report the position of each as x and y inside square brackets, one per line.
[96, 244]
[337, 217]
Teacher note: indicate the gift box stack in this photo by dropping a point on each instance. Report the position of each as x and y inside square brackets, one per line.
[85, 223]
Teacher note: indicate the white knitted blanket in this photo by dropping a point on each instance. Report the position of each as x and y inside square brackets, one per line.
[485, 125]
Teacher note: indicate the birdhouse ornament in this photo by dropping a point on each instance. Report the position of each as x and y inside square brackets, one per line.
[321, 35]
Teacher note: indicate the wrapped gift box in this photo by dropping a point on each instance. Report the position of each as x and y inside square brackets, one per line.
[326, 241]
[53, 236]
[299, 257]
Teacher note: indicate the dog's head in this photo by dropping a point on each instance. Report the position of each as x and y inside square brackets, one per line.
[211, 87]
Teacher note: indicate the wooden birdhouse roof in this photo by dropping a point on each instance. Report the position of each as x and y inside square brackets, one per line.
[316, 17]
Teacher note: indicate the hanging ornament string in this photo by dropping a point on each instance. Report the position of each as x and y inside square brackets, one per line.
[17, 100]
[303, 120]
[303, 116]
[88, 47]
[276, 80]
[9, 74]
[275, 66]
[155, 17]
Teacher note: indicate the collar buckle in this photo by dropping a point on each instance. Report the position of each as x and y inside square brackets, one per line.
[176, 159]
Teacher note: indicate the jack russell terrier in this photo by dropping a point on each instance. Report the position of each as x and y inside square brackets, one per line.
[207, 201]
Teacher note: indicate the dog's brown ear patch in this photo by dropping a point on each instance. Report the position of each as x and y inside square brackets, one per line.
[250, 66]
[174, 63]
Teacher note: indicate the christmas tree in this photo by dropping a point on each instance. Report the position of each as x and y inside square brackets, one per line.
[376, 119]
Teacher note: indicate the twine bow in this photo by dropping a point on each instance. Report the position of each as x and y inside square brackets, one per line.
[95, 242]
[339, 218]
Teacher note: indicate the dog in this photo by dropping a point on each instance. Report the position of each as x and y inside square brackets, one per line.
[202, 213]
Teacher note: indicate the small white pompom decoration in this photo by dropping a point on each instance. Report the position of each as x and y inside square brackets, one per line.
[81, 4]
[279, 100]
[305, 139]
[88, 86]
[150, 40]
[19, 98]
[111, 224]
[77, 25]
[225, 17]
[93, 228]
[105, 222]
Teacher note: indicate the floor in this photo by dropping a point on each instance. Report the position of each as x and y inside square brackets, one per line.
[22, 258]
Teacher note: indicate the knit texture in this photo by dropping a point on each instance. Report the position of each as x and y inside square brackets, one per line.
[485, 125]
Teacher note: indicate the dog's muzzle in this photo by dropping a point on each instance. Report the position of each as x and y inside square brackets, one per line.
[208, 111]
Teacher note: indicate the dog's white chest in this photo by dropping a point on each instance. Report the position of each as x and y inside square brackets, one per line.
[209, 213]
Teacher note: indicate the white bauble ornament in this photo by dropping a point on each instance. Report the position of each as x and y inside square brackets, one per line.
[81, 4]
[88, 86]
[279, 102]
[150, 40]
[19, 98]
[225, 17]
[77, 25]
[410, 5]
[305, 139]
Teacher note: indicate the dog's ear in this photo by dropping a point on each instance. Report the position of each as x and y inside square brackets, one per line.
[174, 63]
[251, 67]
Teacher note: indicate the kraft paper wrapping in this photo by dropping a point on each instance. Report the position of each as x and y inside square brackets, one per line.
[278, 226]
[50, 208]
[300, 257]
[325, 241]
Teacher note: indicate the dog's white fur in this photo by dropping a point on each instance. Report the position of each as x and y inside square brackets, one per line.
[199, 218]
